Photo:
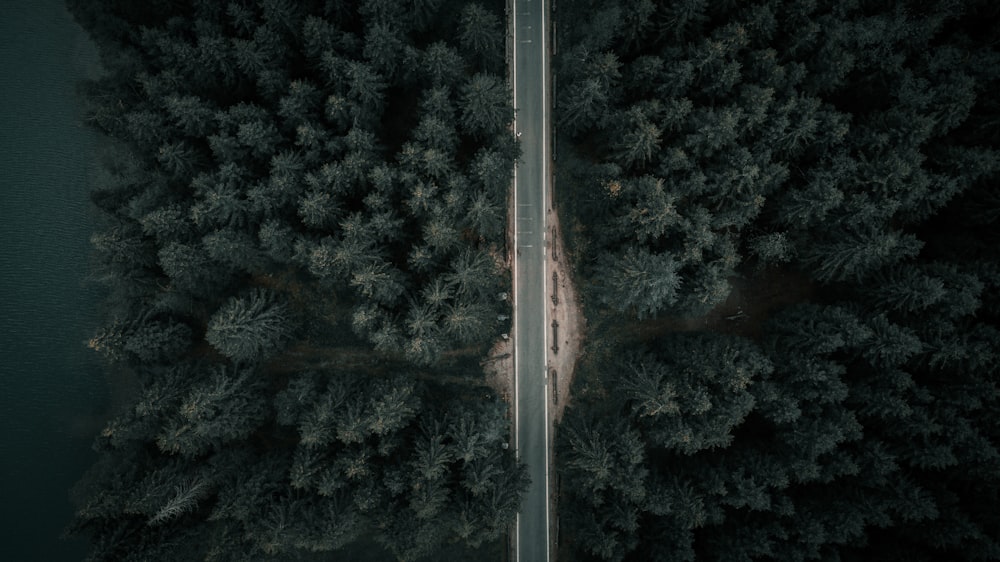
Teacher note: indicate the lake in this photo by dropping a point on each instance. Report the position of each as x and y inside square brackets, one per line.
[54, 390]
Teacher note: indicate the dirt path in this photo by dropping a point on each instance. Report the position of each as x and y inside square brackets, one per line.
[567, 322]
[498, 367]
[566, 338]
[751, 300]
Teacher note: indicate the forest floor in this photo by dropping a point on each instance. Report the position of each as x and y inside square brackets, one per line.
[567, 338]
[568, 322]
[751, 301]
[498, 367]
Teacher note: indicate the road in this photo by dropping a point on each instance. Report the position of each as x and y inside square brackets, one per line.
[530, 82]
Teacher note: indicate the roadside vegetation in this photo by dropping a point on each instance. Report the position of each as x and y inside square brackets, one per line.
[848, 148]
[303, 249]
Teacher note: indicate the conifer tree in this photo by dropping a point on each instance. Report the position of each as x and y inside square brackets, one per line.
[250, 328]
[638, 281]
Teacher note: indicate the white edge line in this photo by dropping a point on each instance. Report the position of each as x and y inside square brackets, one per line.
[513, 300]
[545, 278]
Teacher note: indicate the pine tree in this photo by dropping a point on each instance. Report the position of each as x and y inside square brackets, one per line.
[250, 328]
[223, 407]
[651, 210]
[158, 341]
[378, 281]
[383, 49]
[468, 323]
[190, 268]
[481, 35]
[393, 404]
[192, 115]
[472, 274]
[638, 281]
[220, 199]
[485, 105]
[891, 345]
[682, 20]
[643, 385]
[319, 210]
[485, 215]
[443, 68]
[236, 249]
[124, 245]
[712, 380]
[167, 224]
[854, 254]
[582, 105]
[436, 134]
[366, 87]
[277, 241]
[638, 140]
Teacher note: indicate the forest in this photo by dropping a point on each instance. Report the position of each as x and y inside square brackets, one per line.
[783, 215]
[303, 249]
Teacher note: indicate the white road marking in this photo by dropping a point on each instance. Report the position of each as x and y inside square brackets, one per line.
[517, 450]
[545, 386]
[545, 285]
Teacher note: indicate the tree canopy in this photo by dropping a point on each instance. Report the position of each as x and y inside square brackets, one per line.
[708, 136]
[846, 149]
[304, 261]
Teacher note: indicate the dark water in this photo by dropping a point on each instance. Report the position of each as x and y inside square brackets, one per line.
[53, 390]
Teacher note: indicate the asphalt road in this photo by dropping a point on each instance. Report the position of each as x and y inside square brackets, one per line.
[530, 311]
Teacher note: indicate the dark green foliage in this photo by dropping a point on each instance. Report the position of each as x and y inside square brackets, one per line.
[704, 126]
[376, 429]
[485, 105]
[603, 466]
[639, 282]
[146, 339]
[695, 391]
[297, 154]
[124, 246]
[773, 248]
[250, 328]
[191, 269]
[843, 439]
[221, 407]
[480, 33]
[368, 458]
[709, 145]
[235, 249]
[284, 174]
[853, 255]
